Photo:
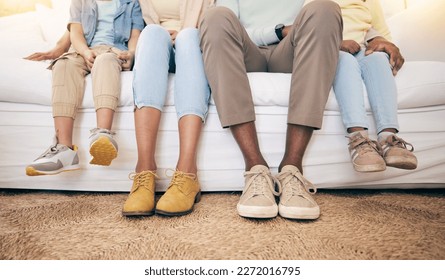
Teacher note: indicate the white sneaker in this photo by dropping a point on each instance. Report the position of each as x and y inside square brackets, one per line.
[103, 148]
[295, 200]
[56, 159]
[258, 197]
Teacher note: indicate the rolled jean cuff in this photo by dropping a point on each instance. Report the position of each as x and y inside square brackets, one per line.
[202, 116]
[105, 101]
[64, 110]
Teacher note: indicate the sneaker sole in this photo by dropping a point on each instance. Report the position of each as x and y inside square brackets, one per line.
[102, 151]
[369, 167]
[31, 171]
[264, 212]
[300, 213]
[401, 162]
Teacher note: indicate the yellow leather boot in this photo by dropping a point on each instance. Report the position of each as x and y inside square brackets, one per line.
[183, 192]
[141, 201]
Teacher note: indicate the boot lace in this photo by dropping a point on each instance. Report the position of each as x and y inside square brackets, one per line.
[141, 179]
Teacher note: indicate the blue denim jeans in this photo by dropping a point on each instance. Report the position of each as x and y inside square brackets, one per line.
[156, 57]
[375, 71]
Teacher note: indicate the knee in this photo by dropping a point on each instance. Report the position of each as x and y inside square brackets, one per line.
[106, 60]
[216, 20]
[187, 37]
[325, 11]
[153, 32]
[347, 60]
[381, 58]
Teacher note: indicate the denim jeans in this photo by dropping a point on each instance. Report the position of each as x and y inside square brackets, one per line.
[375, 71]
[156, 57]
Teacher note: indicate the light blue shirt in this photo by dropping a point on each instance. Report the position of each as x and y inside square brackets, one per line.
[105, 28]
[260, 17]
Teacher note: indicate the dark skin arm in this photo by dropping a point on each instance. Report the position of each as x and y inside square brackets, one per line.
[380, 44]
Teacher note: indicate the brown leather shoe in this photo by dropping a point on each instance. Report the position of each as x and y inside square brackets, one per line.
[141, 201]
[183, 192]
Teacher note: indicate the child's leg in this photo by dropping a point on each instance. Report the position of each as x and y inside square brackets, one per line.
[382, 93]
[348, 89]
[381, 88]
[68, 86]
[68, 90]
[106, 78]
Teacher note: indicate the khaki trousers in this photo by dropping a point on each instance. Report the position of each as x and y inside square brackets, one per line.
[310, 52]
[69, 71]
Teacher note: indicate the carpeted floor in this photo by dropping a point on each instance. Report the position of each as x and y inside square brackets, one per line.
[355, 224]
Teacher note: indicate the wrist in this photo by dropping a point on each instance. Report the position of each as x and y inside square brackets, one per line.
[279, 31]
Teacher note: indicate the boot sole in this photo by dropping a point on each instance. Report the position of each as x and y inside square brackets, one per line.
[102, 151]
[133, 214]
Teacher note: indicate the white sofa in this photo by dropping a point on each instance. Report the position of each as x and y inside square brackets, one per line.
[26, 124]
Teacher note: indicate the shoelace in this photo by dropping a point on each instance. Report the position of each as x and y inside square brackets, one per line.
[140, 179]
[257, 187]
[178, 177]
[296, 186]
[395, 141]
[364, 145]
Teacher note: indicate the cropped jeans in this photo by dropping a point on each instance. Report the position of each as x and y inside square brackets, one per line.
[156, 56]
[375, 71]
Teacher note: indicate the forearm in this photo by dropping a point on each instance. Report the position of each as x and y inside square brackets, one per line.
[133, 40]
[64, 42]
[77, 38]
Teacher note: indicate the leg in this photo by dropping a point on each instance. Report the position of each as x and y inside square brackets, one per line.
[310, 53]
[146, 121]
[381, 88]
[106, 78]
[192, 95]
[68, 88]
[246, 137]
[152, 63]
[382, 94]
[314, 40]
[225, 43]
[348, 89]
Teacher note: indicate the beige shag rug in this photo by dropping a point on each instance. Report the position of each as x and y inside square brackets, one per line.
[355, 224]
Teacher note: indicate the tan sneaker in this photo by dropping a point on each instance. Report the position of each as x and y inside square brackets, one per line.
[396, 154]
[183, 192]
[365, 154]
[295, 200]
[258, 197]
[141, 200]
